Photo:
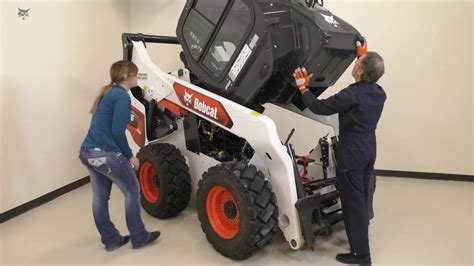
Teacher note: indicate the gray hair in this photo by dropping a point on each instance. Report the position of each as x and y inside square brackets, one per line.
[373, 67]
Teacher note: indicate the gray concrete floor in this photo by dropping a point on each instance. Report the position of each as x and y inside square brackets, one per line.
[421, 222]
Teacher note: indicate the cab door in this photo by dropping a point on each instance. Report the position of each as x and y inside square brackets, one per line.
[219, 39]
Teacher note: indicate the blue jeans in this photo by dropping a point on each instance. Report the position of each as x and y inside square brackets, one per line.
[105, 168]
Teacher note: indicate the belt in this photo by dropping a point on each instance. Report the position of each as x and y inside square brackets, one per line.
[98, 149]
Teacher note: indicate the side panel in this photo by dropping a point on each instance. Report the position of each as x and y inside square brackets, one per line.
[136, 128]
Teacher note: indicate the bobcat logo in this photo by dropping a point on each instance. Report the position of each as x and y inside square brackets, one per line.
[331, 20]
[23, 13]
[187, 98]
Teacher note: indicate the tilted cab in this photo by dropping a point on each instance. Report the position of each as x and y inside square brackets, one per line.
[247, 50]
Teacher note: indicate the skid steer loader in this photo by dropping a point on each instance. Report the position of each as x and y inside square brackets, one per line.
[200, 130]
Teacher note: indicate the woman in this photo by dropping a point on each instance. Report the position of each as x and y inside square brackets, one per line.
[109, 159]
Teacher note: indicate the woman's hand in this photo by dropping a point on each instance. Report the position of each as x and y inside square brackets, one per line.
[135, 162]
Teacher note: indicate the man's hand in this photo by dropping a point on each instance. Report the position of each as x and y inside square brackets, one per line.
[302, 78]
[135, 162]
[361, 47]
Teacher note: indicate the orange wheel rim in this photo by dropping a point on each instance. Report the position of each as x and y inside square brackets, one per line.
[223, 212]
[149, 182]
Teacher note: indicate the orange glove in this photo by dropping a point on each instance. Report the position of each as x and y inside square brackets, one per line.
[361, 48]
[302, 78]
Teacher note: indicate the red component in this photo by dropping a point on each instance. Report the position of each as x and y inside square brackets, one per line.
[177, 110]
[136, 127]
[223, 212]
[305, 168]
[149, 182]
[203, 105]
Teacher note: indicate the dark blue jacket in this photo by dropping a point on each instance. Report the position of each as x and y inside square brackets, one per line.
[109, 122]
[359, 107]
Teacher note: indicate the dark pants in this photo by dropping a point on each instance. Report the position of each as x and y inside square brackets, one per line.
[107, 168]
[355, 164]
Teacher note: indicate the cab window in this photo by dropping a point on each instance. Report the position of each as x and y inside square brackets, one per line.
[229, 37]
[201, 23]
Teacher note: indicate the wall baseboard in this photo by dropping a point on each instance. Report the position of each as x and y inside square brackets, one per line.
[79, 183]
[424, 175]
[12, 213]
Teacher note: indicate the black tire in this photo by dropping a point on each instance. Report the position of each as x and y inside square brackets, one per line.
[170, 182]
[251, 196]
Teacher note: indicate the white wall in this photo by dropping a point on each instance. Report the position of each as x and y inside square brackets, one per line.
[1, 108]
[53, 64]
[427, 46]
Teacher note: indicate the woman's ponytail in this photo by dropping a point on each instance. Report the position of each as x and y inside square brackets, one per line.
[118, 71]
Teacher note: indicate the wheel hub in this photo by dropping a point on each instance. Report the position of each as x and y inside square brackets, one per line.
[223, 212]
[149, 182]
[155, 182]
[230, 210]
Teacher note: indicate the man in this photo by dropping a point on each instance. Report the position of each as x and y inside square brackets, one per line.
[359, 107]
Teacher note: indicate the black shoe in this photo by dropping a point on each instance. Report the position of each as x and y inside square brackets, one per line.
[349, 258]
[124, 241]
[153, 236]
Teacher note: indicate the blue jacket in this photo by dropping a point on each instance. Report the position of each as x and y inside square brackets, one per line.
[359, 106]
[109, 122]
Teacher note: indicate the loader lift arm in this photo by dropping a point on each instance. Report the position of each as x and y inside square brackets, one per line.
[127, 39]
